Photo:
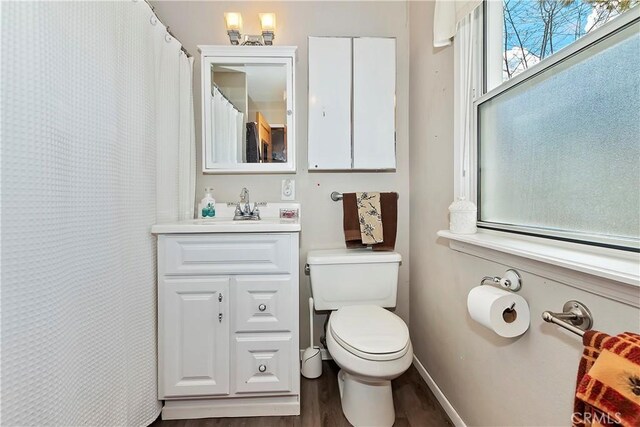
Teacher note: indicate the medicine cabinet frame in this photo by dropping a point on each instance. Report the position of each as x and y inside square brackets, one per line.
[220, 55]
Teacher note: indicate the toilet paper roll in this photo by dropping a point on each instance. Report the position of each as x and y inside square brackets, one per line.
[504, 312]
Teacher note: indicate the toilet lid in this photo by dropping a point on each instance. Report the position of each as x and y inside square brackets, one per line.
[369, 329]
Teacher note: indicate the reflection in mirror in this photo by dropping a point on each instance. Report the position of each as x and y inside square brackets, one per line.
[249, 113]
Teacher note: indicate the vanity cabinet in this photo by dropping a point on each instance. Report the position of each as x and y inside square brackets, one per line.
[352, 89]
[228, 324]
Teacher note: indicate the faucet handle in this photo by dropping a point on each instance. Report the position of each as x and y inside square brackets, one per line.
[244, 195]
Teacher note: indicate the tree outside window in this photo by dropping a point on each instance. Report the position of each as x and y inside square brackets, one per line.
[536, 29]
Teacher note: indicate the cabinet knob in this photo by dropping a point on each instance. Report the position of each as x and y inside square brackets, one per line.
[262, 368]
[262, 307]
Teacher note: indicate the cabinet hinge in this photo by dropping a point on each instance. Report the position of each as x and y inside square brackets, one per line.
[220, 317]
[220, 297]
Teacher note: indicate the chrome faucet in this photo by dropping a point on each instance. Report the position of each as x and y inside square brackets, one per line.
[243, 208]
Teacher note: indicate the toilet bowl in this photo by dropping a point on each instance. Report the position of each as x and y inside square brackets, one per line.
[371, 346]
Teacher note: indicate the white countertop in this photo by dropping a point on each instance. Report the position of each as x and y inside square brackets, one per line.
[224, 223]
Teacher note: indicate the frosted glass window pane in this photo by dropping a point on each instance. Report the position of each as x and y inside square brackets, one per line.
[561, 150]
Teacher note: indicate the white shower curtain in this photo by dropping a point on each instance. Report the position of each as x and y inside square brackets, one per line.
[227, 129]
[187, 146]
[92, 113]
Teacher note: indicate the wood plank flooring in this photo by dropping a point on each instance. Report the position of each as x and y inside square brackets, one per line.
[415, 406]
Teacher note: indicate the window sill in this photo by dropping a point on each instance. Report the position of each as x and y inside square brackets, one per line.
[608, 272]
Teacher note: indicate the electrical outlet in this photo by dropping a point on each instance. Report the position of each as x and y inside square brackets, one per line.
[288, 189]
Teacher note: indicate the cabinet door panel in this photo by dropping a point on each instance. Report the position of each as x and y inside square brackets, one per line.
[374, 91]
[329, 103]
[194, 337]
[263, 363]
[262, 303]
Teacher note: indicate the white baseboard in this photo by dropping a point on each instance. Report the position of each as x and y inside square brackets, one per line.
[236, 407]
[442, 399]
[323, 352]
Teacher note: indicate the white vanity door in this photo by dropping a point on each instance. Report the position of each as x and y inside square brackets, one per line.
[374, 92]
[329, 103]
[194, 336]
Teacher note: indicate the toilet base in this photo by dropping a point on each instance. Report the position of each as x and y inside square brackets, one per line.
[365, 402]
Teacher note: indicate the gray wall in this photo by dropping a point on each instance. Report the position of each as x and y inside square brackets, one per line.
[489, 380]
[195, 23]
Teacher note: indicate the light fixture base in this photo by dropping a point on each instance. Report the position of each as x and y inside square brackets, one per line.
[234, 37]
[267, 37]
[252, 40]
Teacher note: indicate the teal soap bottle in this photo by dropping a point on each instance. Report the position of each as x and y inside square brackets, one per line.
[207, 207]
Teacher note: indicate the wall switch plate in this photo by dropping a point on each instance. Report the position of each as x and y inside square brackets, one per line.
[288, 189]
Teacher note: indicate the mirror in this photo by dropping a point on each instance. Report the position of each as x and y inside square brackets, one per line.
[248, 114]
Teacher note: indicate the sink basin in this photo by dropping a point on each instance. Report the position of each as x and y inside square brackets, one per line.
[224, 223]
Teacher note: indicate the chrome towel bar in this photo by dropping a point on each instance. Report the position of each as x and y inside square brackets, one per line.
[335, 196]
[575, 317]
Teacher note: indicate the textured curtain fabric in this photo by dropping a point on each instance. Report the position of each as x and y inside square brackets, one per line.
[90, 118]
[187, 145]
[167, 113]
[447, 15]
[240, 131]
[464, 65]
[227, 130]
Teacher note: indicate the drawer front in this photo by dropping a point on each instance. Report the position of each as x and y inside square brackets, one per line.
[263, 364]
[262, 303]
[227, 254]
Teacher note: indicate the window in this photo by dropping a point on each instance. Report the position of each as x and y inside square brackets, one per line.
[534, 30]
[558, 142]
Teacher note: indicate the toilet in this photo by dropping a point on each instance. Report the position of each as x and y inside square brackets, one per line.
[370, 344]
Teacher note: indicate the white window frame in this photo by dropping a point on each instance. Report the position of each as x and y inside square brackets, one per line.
[604, 271]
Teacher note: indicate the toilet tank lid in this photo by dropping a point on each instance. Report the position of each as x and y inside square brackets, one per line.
[350, 256]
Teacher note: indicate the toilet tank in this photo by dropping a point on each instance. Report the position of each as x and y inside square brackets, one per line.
[341, 277]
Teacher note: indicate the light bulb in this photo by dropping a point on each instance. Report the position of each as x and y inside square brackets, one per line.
[233, 20]
[268, 22]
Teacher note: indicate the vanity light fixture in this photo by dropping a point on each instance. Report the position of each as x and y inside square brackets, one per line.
[268, 25]
[233, 21]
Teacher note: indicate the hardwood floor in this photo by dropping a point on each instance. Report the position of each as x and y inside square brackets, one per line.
[415, 406]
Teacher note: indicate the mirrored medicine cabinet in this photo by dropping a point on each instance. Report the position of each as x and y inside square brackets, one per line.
[248, 109]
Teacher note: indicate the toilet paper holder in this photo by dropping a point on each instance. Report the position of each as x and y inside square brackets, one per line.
[511, 280]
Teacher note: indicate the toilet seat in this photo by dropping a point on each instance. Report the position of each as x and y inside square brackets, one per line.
[370, 332]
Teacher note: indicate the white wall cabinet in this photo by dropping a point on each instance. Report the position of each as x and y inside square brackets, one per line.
[352, 85]
[228, 324]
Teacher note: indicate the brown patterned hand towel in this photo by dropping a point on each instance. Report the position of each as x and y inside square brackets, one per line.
[610, 389]
[608, 383]
[592, 342]
[351, 223]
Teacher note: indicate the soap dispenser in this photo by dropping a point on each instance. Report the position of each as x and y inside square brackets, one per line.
[207, 206]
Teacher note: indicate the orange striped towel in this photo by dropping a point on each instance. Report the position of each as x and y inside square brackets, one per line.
[608, 390]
